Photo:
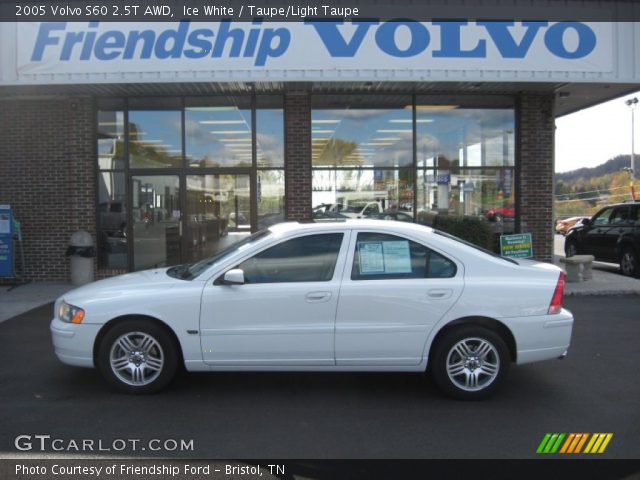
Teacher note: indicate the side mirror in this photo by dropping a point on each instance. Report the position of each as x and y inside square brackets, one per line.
[234, 277]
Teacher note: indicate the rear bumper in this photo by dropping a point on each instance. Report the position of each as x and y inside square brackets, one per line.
[73, 343]
[542, 337]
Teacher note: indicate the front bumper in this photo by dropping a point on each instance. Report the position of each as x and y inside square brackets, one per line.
[542, 337]
[73, 343]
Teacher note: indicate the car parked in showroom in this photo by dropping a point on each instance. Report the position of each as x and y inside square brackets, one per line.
[350, 295]
[611, 235]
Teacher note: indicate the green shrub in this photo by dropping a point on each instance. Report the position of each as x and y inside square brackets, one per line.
[471, 229]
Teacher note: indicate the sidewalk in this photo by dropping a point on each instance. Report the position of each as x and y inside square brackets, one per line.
[607, 279]
[27, 297]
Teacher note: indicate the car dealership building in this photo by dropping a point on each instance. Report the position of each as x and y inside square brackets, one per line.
[167, 141]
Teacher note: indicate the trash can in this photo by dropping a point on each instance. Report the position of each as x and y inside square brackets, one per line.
[81, 251]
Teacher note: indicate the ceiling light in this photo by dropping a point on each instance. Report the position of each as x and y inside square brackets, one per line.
[435, 107]
[222, 122]
[394, 131]
[229, 132]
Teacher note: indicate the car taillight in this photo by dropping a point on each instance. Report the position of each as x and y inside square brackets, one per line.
[556, 300]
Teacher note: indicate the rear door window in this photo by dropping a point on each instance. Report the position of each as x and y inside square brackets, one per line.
[380, 256]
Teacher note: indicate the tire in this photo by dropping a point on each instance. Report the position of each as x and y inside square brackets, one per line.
[629, 262]
[138, 356]
[570, 248]
[468, 376]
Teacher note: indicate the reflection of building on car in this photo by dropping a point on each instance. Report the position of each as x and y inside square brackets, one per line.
[611, 235]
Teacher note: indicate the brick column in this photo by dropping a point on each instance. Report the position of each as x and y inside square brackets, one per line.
[535, 154]
[297, 105]
[47, 174]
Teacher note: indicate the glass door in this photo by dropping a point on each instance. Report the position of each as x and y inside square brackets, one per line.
[156, 221]
[218, 213]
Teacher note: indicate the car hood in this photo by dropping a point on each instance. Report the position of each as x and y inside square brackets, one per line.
[116, 286]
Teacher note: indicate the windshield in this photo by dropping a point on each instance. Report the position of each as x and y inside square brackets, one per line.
[469, 244]
[195, 269]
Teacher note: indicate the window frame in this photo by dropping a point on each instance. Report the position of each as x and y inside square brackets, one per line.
[351, 259]
[337, 267]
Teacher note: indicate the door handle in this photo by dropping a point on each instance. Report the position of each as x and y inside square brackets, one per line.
[318, 297]
[440, 293]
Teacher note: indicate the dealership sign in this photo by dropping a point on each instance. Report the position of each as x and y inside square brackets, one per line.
[516, 246]
[95, 47]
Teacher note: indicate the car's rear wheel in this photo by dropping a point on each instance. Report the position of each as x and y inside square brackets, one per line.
[629, 262]
[570, 248]
[470, 362]
[138, 356]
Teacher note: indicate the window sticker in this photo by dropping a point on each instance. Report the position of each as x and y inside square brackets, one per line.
[384, 257]
[371, 259]
[397, 257]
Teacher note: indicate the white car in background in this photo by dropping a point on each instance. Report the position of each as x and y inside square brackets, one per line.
[351, 295]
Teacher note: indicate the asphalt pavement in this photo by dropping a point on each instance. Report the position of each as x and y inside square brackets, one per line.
[343, 415]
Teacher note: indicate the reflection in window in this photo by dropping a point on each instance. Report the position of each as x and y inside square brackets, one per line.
[380, 256]
[215, 204]
[110, 140]
[155, 138]
[362, 137]
[488, 194]
[270, 195]
[156, 221]
[218, 136]
[339, 193]
[305, 259]
[112, 220]
[270, 132]
[471, 137]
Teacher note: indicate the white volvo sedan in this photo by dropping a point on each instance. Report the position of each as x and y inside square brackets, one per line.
[355, 295]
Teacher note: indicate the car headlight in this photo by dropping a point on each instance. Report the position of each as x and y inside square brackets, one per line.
[70, 314]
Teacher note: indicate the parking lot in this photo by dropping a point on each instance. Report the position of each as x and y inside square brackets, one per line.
[284, 415]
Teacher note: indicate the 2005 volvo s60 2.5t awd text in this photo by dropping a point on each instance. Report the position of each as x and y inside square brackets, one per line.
[352, 295]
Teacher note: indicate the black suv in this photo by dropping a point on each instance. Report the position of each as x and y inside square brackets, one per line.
[611, 235]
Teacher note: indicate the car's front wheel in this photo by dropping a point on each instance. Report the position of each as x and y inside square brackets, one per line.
[629, 262]
[470, 362]
[138, 356]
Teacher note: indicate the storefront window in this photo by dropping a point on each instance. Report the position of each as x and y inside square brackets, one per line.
[155, 138]
[177, 214]
[269, 132]
[218, 132]
[362, 154]
[111, 155]
[111, 238]
[112, 220]
[270, 196]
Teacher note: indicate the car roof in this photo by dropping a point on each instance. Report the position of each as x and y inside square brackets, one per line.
[348, 224]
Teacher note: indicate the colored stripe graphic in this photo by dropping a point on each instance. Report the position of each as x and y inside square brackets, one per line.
[573, 443]
[598, 443]
[550, 443]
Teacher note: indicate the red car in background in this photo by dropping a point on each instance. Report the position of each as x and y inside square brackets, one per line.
[497, 214]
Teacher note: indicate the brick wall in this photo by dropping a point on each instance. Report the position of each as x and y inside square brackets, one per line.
[47, 175]
[298, 192]
[535, 152]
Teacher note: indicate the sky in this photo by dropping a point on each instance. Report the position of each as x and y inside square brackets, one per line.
[594, 135]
